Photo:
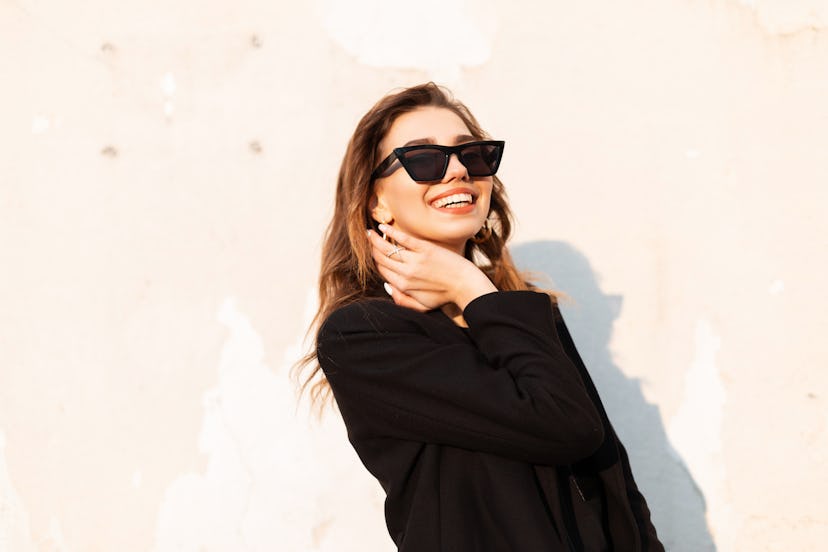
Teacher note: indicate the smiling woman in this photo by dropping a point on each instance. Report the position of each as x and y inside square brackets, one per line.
[462, 391]
[415, 199]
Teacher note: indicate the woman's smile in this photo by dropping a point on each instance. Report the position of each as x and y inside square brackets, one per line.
[457, 201]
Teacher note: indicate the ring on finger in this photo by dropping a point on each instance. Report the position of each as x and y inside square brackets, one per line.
[395, 251]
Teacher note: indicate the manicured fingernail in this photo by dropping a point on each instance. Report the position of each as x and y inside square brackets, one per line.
[387, 287]
[383, 227]
[368, 232]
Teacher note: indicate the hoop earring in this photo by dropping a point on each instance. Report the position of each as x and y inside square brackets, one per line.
[483, 234]
[385, 237]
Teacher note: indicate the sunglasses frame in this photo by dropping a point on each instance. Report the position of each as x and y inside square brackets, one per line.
[398, 155]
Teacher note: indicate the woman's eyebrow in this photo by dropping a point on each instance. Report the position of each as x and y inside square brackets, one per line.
[418, 141]
[431, 140]
[460, 138]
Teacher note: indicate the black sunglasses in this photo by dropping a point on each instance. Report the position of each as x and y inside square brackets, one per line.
[429, 162]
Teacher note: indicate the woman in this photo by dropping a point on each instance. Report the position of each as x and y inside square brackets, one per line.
[458, 382]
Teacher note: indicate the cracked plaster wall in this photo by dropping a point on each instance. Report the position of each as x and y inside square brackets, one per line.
[166, 175]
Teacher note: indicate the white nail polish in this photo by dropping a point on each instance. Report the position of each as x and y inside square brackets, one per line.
[387, 287]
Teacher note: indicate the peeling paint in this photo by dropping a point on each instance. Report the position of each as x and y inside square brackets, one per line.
[55, 541]
[266, 479]
[785, 18]
[776, 287]
[168, 88]
[40, 124]
[696, 431]
[14, 521]
[439, 37]
[168, 84]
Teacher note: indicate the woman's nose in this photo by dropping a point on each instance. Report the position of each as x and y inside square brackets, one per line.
[455, 168]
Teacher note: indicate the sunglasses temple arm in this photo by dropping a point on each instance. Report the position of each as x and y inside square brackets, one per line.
[384, 166]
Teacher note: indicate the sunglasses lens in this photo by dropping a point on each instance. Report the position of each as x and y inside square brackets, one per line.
[424, 164]
[481, 159]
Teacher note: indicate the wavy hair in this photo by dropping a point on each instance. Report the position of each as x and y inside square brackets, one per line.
[348, 272]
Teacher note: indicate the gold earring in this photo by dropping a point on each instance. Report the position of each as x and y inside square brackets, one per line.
[393, 242]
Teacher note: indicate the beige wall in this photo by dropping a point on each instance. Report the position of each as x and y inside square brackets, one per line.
[165, 176]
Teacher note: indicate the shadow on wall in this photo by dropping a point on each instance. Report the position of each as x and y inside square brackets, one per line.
[676, 502]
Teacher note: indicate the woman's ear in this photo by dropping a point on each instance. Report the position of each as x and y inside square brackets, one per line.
[379, 211]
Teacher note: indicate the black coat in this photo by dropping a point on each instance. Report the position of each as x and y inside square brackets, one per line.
[475, 433]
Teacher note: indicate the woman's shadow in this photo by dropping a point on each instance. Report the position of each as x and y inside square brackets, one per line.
[676, 503]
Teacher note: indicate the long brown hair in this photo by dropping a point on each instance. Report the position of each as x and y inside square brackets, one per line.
[348, 272]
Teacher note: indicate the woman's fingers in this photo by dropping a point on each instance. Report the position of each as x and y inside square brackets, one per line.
[382, 246]
[400, 237]
[382, 260]
[399, 283]
[396, 280]
[417, 276]
[405, 300]
[401, 269]
[384, 254]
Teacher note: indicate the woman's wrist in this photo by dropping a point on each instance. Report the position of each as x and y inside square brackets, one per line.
[471, 286]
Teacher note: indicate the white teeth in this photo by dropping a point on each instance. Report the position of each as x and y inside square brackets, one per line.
[456, 198]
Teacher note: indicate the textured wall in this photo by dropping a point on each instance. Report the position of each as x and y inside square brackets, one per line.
[166, 172]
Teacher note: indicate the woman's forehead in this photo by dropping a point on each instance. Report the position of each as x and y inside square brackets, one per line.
[428, 125]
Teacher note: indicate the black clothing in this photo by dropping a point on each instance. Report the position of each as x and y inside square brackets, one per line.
[479, 436]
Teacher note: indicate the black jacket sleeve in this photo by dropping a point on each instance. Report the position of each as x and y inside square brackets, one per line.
[511, 391]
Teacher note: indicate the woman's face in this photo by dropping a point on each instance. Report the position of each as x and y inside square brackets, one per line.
[409, 204]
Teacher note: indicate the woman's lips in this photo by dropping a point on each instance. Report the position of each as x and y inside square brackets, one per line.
[457, 201]
[454, 191]
[455, 196]
[454, 199]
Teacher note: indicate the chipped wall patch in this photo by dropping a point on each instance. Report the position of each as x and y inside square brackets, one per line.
[776, 287]
[696, 431]
[786, 17]
[14, 521]
[270, 478]
[439, 37]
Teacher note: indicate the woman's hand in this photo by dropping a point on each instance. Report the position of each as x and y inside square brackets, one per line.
[424, 276]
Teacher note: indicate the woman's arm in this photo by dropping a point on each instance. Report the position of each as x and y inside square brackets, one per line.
[512, 392]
